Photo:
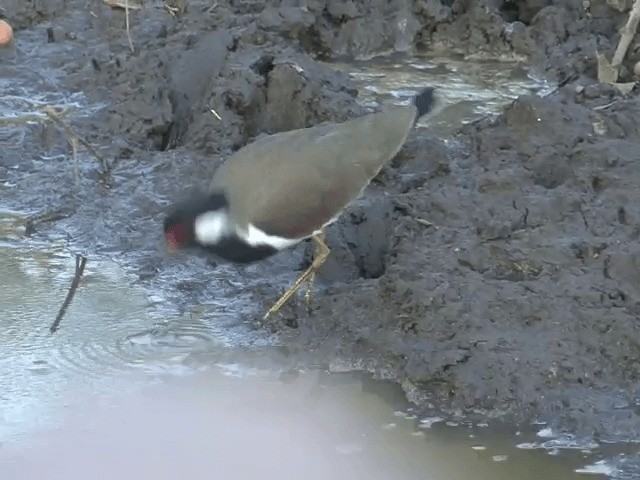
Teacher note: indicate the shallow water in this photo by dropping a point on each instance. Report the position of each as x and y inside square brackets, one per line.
[249, 423]
[116, 387]
[467, 90]
[131, 383]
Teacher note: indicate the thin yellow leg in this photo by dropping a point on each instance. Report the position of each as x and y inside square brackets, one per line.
[321, 254]
[317, 252]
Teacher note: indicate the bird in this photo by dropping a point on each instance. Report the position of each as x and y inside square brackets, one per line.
[286, 188]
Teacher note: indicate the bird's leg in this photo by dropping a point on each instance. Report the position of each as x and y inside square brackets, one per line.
[321, 254]
[317, 251]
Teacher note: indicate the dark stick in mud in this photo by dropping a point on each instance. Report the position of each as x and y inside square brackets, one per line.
[81, 262]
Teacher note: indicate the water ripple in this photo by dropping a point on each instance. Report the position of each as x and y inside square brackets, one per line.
[111, 327]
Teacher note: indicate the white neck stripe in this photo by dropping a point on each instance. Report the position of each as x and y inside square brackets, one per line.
[211, 227]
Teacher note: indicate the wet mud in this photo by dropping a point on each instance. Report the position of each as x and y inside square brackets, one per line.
[496, 275]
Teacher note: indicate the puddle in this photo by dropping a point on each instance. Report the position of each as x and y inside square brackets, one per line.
[468, 90]
[108, 329]
[258, 424]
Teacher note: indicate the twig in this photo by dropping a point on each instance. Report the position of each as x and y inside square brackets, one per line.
[173, 11]
[607, 105]
[76, 169]
[48, 216]
[28, 117]
[20, 119]
[609, 72]
[215, 114]
[626, 34]
[121, 4]
[81, 262]
[423, 222]
[126, 21]
[53, 115]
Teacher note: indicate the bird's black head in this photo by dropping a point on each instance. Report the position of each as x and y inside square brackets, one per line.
[179, 224]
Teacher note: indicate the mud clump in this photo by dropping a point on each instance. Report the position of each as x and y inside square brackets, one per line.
[498, 276]
[515, 275]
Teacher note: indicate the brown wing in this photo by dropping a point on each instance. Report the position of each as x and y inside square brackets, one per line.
[300, 208]
[292, 183]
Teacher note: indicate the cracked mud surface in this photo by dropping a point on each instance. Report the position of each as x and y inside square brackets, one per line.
[496, 275]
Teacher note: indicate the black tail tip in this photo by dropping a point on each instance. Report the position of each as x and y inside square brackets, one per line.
[424, 101]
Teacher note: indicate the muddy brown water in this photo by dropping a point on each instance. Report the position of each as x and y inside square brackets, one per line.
[135, 386]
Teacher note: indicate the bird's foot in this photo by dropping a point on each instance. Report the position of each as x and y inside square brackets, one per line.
[320, 255]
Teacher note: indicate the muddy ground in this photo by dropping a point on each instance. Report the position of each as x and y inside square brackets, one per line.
[498, 276]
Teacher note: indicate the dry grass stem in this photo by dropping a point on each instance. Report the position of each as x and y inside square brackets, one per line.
[423, 222]
[45, 217]
[21, 119]
[126, 21]
[215, 114]
[626, 34]
[173, 11]
[609, 72]
[126, 6]
[76, 168]
[53, 115]
[56, 115]
[31, 117]
[123, 4]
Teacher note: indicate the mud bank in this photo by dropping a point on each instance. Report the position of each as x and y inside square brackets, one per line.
[497, 276]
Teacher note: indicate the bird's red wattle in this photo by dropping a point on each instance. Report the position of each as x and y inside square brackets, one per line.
[175, 236]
